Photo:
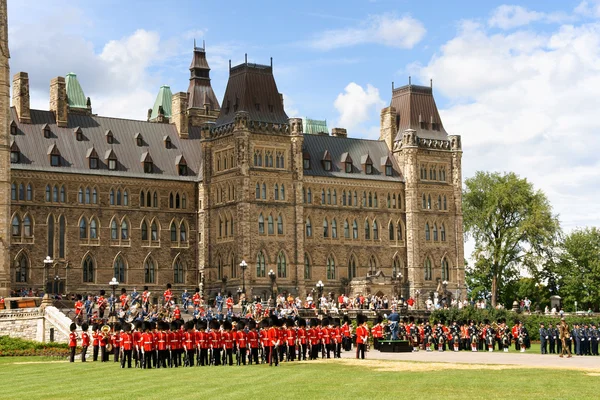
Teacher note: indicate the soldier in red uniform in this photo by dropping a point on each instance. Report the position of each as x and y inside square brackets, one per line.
[189, 346]
[196, 298]
[347, 334]
[313, 337]
[124, 299]
[79, 309]
[146, 298]
[273, 341]
[264, 339]
[253, 342]
[325, 329]
[104, 339]
[215, 342]
[102, 303]
[137, 343]
[241, 342]
[177, 313]
[95, 342]
[337, 338]
[203, 343]
[362, 336]
[162, 344]
[228, 339]
[281, 337]
[72, 341]
[126, 346]
[377, 331]
[168, 295]
[116, 341]
[147, 347]
[175, 345]
[302, 339]
[291, 338]
[85, 340]
[229, 303]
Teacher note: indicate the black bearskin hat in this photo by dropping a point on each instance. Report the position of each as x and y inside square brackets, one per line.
[137, 324]
[123, 290]
[189, 325]
[197, 290]
[79, 297]
[241, 325]
[117, 326]
[379, 319]
[360, 319]
[346, 319]
[324, 322]
[146, 326]
[174, 326]
[411, 319]
[168, 286]
[102, 292]
[264, 323]
[214, 324]
[202, 324]
[73, 327]
[336, 322]
[227, 325]
[127, 327]
[85, 326]
[252, 324]
[302, 323]
[314, 322]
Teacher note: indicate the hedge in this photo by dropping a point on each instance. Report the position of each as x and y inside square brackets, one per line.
[20, 347]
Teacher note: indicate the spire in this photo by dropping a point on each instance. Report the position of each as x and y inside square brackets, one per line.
[75, 96]
[162, 103]
[200, 91]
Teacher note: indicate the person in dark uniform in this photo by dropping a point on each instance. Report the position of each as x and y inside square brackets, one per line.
[543, 339]
[586, 349]
[595, 336]
[576, 339]
[552, 336]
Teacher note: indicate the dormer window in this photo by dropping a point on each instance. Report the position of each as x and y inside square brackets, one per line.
[306, 160]
[434, 126]
[47, 131]
[347, 161]
[15, 153]
[54, 155]
[367, 164]
[368, 169]
[111, 160]
[93, 162]
[348, 167]
[147, 163]
[168, 144]
[326, 161]
[13, 128]
[423, 125]
[109, 137]
[139, 140]
[388, 170]
[78, 134]
[182, 169]
[386, 164]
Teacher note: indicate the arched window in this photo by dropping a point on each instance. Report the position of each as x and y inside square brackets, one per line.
[261, 224]
[142, 198]
[119, 269]
[367, 230]
[391, 231]
[346, 229]
[62, 233]
[233, 266]
[307, 269]
[445, 205]
[439, 202]
[154, 231]
[354, 230]
[323, 201]
[88, 269]
[183, 232]
[178, 275]
[148, 199]
[396, 269]
[309, 196]
[55, 194]
[29, 193]
[334, 229]
[334, 197]
[149, 270]
[94, 229]
[281, 265]
[370, 199]
[111, 197]
[270, 226]
[173, 232]
[343, 197]
[399, 232]
[48, 198]
[427, 234]
[27, 226]
[325, 228]
[328, 196]
[260, 265]
[435, 232]
[279, 225]
[183, 201]
[355, 199]
[51, 236]
[276, 192]
[428, 275]
[16, 226]
[114, 230]
[375, 203]
[144, 231]
[443, 232]
[13, 191]
[364, 199]
[155, 200]
[21, 192]
[352, 268]
[63, 194]
[282, 192]
[429, 202]
[375, 230]
[83, 228]
[80, 195]
[424, 201]
[21, 268]
[330, 268]
[87, 195]
[445, 270]
[372, 265]
[264, 191]
[125, 197]
[257, 191]
[220, 227]
[124, 230]
[172, 202]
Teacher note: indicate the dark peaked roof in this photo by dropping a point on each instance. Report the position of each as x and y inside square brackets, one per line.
[252, 88]
[200, 92]
[415, 104]
[34, 146]
[347, 149]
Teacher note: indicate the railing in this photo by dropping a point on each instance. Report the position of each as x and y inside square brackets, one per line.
[20, 313]
[60, 321]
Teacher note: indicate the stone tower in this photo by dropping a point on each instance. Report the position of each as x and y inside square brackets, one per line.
[4, 153]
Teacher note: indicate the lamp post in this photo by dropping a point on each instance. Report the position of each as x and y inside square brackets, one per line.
[47, 263]
[320, 292]
[243, 266]
[239, 293]
[417, 293]
[272, 277]
[445, 296]
[113, 284]
[56, 284]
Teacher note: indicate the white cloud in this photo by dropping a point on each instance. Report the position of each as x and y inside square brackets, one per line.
[526, 102]
[386, 29]
[589, 8]
[356, 105]
[510, 16]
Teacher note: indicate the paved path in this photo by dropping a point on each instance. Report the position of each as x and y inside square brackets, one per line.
[464, 357]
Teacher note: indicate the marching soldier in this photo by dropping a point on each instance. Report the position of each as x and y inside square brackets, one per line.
[126, 346]
[228, 339]
[253, 342]
[291, 337]
[362, 336]
[85, 340]
[147, 348]
[72, 341]
[146, 299]
[188, 344]
[168, 295]
[302, 339]
[95, 341]
[564, 334]
[552, 334]
[544, 335]
[347, 334]
[595, 336]
[102, 303]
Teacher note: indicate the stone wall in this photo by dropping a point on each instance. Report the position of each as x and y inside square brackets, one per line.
[35, 324]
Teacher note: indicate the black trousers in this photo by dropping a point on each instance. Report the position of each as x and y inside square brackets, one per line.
[103, 354]
[291, 353]
[229, 356]
[163, 355]
[302, 352]
[253, 355]
[241, 356]
[272, 355]
[96, 349]
[203, 357]
[360, 350]
[72, 355]
[314, 351]
[552, 345]
[216, 356]
[338, 351]
[116, 352]
[126, 358]
[83, 353]
[281, 351]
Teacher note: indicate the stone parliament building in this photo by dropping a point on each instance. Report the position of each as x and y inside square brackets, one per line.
[186, 195]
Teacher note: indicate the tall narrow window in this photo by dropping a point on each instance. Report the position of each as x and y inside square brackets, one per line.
[281, 265]
[399, 231]
[260, 265]
[391, 231]
[396, 267]
[94, 229]
[62, 233]
[154, 231]
[282, 192]
[435, 232]
[428, 275]
[330, 268]
[124, 230]
[261, 224]
[114, 230]
[149, 270]
[276, 192]
[279, 225]
[16, 227]
[27, 227]
[21, 267]
[443, 233]
[119, 269]
[88, 269]
[83, 228]
[325, 228]
[375, 230]
[372, 265]
[173, 230]
[270, 226]
[257, 191]
[427, 233]
[346, 229]
[29, 193]
[178, 276]
[367, 230]
[144, 231]
[354, 230]
[309, 196]
[264, 191]
[307, 271]
[352, 268]
[334, 229]
[183, 232]
[445, 270]
[308, 228]
[13, 191]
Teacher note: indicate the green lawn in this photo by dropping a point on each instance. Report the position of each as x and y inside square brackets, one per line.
[298, 380]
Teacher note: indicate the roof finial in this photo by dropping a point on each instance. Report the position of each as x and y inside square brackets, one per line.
[203, 44]
[392, 85]
[246, 58]
[431, 83]
[194, 43]
[271, 62]
[229, 65]
[409, 80]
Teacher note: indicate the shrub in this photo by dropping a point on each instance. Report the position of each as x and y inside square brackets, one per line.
[20, 347]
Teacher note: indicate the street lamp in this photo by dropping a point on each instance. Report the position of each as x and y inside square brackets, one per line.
[243, 266]
[272, 276]
[113, 284]
[56, 284]
[239, 293]
[417, 293]
[320, 292]
[47, 263]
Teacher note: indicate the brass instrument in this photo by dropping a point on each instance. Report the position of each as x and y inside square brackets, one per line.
[494, 326]
[106, 333]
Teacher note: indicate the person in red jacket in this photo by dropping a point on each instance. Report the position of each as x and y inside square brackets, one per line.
[203, 342]
[346, 334]
[162, 344]
[281, 337]
[291, 338]
[326, 338]
[79, 309]
[273, 343]
[137, 344]
[126, 345]
[241, 341]
[95, 341]
[337, 338]
[362, 336]
[85, 340]
[264, 339]
[189, 346]
[377, 332]
[215, 342]
[314, 340]
[253, 342]
[302, 339]
[168, 295]
[228, 342]
[73, 341]
[175, 345]
[147, 348]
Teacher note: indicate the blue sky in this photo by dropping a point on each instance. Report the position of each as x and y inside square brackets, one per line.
[518, 80]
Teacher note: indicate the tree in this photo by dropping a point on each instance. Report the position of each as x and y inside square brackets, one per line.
[577, 269]
[512, 225]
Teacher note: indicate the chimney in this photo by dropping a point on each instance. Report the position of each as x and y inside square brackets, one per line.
[339, 132]
[179, 103]
[58, 100]
[388, 128]
[21, 96]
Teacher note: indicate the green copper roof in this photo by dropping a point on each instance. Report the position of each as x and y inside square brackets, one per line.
[163, 99]
[74, 92]
[314, 125]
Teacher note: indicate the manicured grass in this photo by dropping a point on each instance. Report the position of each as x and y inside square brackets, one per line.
[299, 380]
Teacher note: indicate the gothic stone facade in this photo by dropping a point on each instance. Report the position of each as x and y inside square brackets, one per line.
[186, 196]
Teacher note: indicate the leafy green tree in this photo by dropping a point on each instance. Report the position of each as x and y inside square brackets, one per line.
[577, 270]
[512, 225]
